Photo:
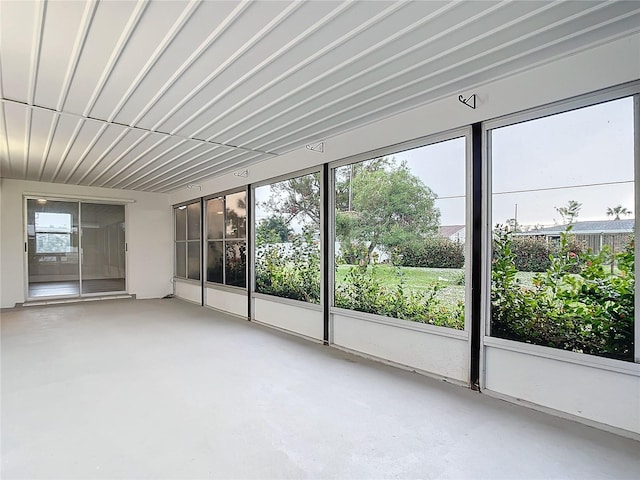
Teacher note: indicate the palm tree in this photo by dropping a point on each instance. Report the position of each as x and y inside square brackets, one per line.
[617, 211]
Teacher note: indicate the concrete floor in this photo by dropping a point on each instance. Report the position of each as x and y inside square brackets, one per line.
[165, 389]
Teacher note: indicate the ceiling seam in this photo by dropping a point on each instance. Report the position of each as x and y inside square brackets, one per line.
[139, 168]
[5, 137]
[47, 148]
[420, 79]
[134, 160]
[190, 177]
[269, 60]
[83, 156]
[460, 78]
[292, 7]
[34, 64]
[116, 160]
[67, 149]
[36, 52]
[145, 180]
[222, 157]
[106, 152]
[136, 128]
[361, 73]
[182, 165]
[78, 47]
[346, 37]
[122, 43]
[27, 142]
[176, 28]
[197, 175]
[220, 29]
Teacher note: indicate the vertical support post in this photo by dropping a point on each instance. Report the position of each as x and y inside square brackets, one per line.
[476, 254]
[203, 233]
[250, 254]
[324, 244]
[636, 234]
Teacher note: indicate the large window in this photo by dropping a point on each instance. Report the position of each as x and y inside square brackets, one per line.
[400, 227]
[227, 239]
[287, 240]
[187, 241]
[563, 222]
[53, 232]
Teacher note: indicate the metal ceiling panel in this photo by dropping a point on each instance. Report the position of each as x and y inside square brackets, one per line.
[153, 95]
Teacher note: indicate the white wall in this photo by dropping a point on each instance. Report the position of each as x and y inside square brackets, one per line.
[149, 235]
[445, 354]
[302, 319]
[227, 301]
[604, 66]
[608, 393]
[188, 291]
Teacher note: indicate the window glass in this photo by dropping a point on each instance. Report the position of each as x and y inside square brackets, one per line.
[53, 243]
[400, 235]
[288, 238]
[215, 262]
[193, 259]
[236, 263]
[181, 223]
[236, 213]
[215, 218]
[181, 259]
[193, 221]
[227, 229]
[563, 257]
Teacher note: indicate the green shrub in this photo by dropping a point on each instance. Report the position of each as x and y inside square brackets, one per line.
[434, 252]
[290, 270]
[361, 291]
[576, 304]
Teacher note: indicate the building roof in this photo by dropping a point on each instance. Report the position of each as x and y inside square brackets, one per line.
[595, 226]
[448, 230]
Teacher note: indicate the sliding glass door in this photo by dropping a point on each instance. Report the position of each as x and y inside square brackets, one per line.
[74, 248]
[103, 248]
[53, 248]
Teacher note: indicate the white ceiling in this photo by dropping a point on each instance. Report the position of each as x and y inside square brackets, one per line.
[156, 95]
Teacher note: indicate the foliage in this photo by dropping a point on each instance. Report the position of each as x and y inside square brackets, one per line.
[534, 254]
[434, 252]
[389, 207]
[363, 292]
[617, 211]
[290, 270]
[589, 311]
[296, 198]
[570, 212]
[273, 229]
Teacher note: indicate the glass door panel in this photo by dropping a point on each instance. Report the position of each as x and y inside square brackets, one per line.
[103, 248]
[52, 248]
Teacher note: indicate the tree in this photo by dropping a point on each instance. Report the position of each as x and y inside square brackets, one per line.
[390, 207]
[296, 198]
[617, 211]
[273, 229]
[570, 212]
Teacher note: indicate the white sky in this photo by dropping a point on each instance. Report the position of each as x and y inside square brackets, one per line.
[590, 146]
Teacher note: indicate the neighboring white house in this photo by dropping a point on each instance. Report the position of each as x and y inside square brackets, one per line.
[456, 233]
[595, 234]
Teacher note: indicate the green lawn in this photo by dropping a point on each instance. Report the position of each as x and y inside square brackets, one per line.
[417, 278]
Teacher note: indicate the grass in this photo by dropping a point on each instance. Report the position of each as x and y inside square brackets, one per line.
[417, 279]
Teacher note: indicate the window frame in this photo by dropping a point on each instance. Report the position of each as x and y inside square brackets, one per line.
[440, 137]
[205, 244]
[317, 169]
[627, 90]
[185, 206]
